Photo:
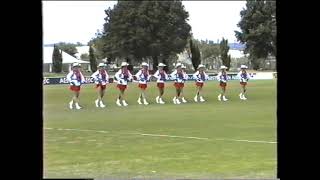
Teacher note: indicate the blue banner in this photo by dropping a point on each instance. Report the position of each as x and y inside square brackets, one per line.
[89, 80]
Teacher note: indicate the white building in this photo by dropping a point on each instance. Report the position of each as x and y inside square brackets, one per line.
[236, 53]
[67, 60]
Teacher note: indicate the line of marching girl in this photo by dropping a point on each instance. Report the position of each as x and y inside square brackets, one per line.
[142, 77]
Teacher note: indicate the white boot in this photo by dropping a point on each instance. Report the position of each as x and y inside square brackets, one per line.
[201, 99]
[102, 105]
[195, 98]
[118, 102]
[219, 97]
[177, 101]
[224, 98]
[161, 101]
[97, 102]
[183, 100]
[145, 102]
[157, 99]
[174, 100]
[71, 104]
[139, 101]
[241, 96]
[124, 103]
[77, 106]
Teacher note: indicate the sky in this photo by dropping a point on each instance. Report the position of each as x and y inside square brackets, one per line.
[78, 21]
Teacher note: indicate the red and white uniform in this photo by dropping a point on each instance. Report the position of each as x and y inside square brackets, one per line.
[161, 76]
[243, 77]
[185, 76]
[179, 78]
[101, 78]
[223, 78]
[200, 78]
[123, 76]
[143, 77]
[75, 78]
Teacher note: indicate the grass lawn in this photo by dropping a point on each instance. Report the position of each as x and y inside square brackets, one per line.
[199, 140]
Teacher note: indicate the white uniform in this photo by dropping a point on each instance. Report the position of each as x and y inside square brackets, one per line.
[74, 80]
[142, 78]
[121, 78]
[222, 78]
[185, 77]
[98, 79]
[198, 78]
[243, 77]
[178, 79]
[160, 79]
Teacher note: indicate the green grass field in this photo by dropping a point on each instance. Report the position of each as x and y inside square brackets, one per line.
[116, 147]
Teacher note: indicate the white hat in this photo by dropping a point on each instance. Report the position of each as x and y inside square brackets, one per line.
[124, 64]
[223, 67]
[76, 64]
[161, 65]
[178, 64]
[201, 66]
[145, 64]
[244, 67]
[101, 65]
[183, 66]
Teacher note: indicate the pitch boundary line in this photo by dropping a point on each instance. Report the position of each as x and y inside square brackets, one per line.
[165, 135]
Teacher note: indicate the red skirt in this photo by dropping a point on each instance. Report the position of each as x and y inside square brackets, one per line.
[75, 88]
[160, 85]
[179, 85]
[243, 83]
[103, 87]
[222, 84]
[122, 87]
[142, 86]
[200, 84]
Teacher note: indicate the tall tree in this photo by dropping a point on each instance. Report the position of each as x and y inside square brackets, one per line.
[69, 48]
[142, 29]
[56, 60]
[258, 30]
[93, 61]
[224, 49]
[98, 44]
[195, 54]
[209, 53]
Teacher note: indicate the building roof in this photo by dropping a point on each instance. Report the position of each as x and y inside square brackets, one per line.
[66, 58]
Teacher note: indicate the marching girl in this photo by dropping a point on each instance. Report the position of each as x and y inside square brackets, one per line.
[122, 76]
[161, 76]
[101, 79]
[76, 79]
[222, 78]
[185, 77]
[143, 77]
[178, 77]
[244, 78]
[200, 77]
